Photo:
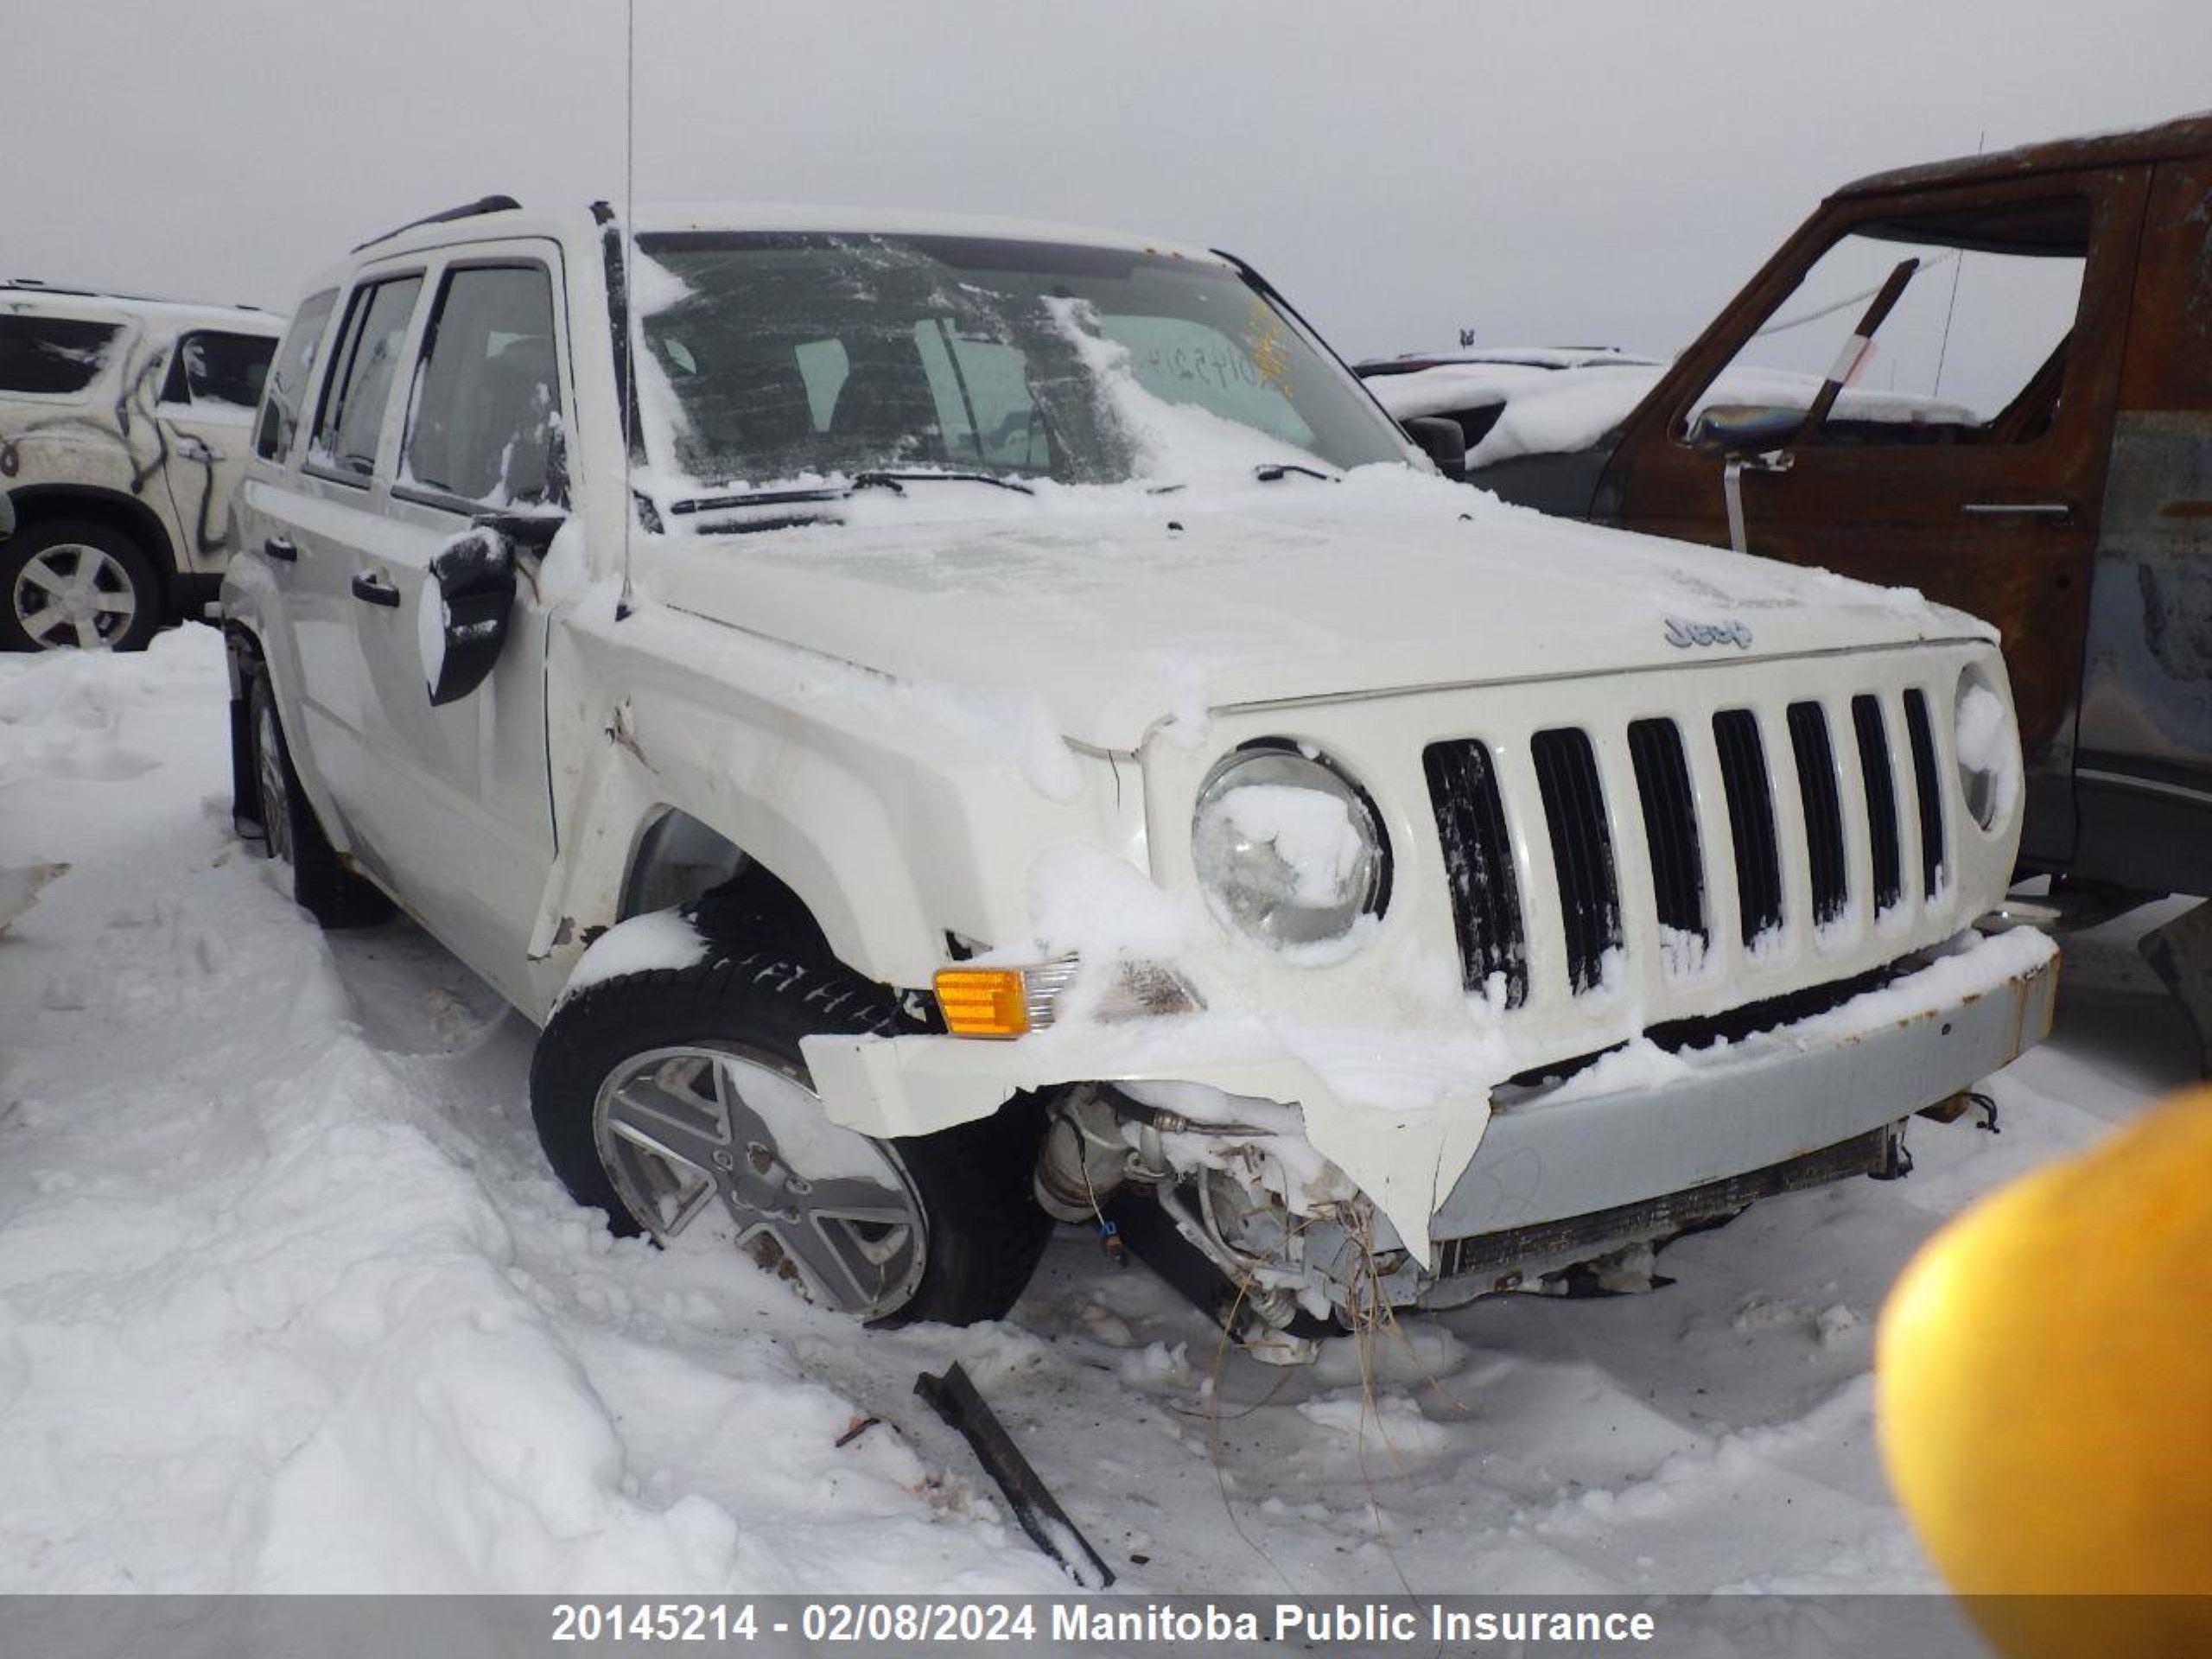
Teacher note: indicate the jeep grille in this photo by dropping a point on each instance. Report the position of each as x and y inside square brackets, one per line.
[1756, 765]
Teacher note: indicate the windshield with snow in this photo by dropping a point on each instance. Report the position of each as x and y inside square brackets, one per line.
[776, 357]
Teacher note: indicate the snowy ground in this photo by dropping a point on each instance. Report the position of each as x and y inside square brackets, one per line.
[288, 1300]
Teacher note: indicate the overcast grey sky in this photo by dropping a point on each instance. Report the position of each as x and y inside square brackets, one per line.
[1549, 171]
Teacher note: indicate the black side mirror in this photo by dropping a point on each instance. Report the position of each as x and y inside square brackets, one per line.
[530, 532]
[1441, 441]
[465, 608]
[1742, 429]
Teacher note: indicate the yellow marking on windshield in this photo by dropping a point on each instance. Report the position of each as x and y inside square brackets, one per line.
[1270, 351]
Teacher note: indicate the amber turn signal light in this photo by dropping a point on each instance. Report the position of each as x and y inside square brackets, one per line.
[984, 1002]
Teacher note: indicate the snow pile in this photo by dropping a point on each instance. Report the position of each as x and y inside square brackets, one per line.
[1310, 834]
[1181, 444]
[284, 1306]
[659, 938]
[1082, 900]
[1988, 744]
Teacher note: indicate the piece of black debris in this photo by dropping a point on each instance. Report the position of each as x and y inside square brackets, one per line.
[953, 1397]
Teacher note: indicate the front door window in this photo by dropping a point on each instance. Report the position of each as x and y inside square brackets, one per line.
[1973, 352]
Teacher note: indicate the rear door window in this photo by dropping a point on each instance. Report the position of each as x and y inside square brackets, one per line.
[284, 393]
[486, 411]
[52, 356]
[216, 371]
[361, 376]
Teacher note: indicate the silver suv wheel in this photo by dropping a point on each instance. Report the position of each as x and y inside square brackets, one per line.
[681, 1129]
[73, 594]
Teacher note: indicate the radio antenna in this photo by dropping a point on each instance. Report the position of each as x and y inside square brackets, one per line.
[1943, 350]
[622, 607]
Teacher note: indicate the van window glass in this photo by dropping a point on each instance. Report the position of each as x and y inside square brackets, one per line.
[52, 356]
[359, 387]
[486, 403]
[218, 371]
[285, 390]
[1974, 352]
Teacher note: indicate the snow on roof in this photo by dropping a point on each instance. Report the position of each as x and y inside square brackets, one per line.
[1530, 357]
[1553, 411]
[22, 294]
[663, 217]
[790, 216]
[579, 224]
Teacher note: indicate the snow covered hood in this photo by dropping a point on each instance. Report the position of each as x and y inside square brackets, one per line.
[1117, 607]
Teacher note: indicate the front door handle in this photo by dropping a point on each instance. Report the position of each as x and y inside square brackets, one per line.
[376, 590]
[2055, 512]
[194, 448]
[281, 549]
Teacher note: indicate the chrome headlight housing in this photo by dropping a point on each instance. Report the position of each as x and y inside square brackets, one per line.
[1288, 847]
[1987, 742]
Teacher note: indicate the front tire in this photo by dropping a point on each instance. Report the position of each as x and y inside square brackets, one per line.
[72, 584]
[663, 1095]
[321, 885]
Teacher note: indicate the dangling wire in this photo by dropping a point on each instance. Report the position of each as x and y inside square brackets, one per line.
[1944, 349]
[629, 266]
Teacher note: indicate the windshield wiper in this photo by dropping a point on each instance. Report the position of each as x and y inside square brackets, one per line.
[760, 498]
[871, 478]
[879, 478]
[1269, 471]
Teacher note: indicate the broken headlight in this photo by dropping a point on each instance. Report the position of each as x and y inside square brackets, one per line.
[1288, 847]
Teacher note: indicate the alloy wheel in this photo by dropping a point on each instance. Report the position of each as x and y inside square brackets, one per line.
[74, 594]
[682, 1128]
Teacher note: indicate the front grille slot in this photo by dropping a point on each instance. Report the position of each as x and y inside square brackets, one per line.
[1478, 865]
[1662, 782]
[1926, 786]
[1881, 800]
[1582, 851]
[1750, 821]
[1823, 803]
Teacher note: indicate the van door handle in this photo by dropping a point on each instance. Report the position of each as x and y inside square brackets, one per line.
[281, 549]
[2057, 513]
[376, 590]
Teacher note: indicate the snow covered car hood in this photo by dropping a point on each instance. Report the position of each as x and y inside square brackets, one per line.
[1121, 610]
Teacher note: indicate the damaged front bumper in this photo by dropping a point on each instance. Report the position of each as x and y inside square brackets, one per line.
[1629, 1149]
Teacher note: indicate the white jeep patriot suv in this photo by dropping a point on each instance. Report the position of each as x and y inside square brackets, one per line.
[948, 724]
[123, 427]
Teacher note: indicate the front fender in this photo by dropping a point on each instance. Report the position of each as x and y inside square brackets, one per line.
[890, 824]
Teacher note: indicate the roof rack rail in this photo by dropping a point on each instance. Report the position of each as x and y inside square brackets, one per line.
[466, 209]
[67, 290]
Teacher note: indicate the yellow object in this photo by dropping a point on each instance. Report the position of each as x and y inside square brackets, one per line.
[2043, 1378]
[984, 1002]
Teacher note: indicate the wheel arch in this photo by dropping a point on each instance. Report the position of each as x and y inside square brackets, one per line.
[678, 858]
[127, 515]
